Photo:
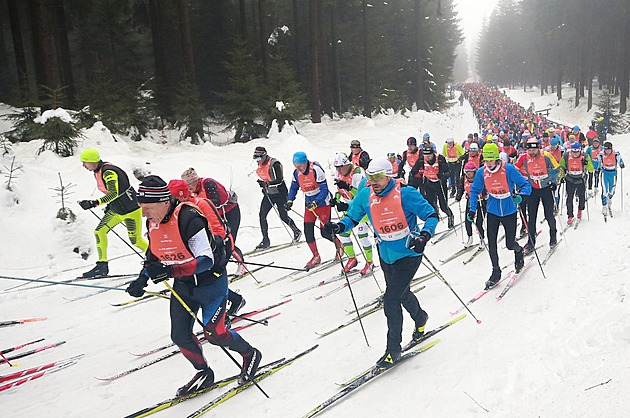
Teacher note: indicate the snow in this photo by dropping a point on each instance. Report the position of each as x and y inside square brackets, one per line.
[552, 347]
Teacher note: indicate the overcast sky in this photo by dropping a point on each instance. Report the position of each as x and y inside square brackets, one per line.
[471, 13]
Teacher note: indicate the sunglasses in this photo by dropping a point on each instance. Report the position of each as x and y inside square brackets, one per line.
[376, 176]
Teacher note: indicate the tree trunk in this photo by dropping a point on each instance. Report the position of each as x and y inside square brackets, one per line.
[186, 42]
[335, 65]
[264, 35]
[419, 56]
[367, 96]
[297, 41]
[65, 58]
[164, 75]
[242, 18]
[43, 46]
[326, 78]
[18, 48]
[559, 85]
[313, 6]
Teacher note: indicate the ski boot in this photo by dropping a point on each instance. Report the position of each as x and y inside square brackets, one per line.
[251, 361]
[388, 359]
[494, 278]
[203, 379]
[369, 266]
[350, 264]
[101, 269]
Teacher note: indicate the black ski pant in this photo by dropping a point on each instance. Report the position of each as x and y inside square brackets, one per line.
[481, 213]
[544, 195]
[573, 189]
[509, 227]
[456, 169]
[268, 201]
[590, 178]
[434, 193]
[398, 295]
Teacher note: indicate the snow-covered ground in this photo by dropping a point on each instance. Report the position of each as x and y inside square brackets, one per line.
[542, 351]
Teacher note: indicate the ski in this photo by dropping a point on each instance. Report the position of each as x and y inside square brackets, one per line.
[361, 315]
[247, 273]
[139, 367]
[373, 372]
[478, 251]
[332, 279]
[411, 344]
[270, 249]
[21, 321]
[514, 277]
[37, 375]
[482, 293]
[200, 333]
[338, 288]
[576, 223]
[34, 351]
[457, 254]
[161, 293]
[17, 347]
[179, 399]
[443, 235]
[237, 389]
[550, 252]
[47, 366]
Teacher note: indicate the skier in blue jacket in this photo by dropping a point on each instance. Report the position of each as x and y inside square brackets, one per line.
[499, 179]
[393, 209]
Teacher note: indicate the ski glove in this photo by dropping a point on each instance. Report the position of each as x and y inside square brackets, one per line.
[288, 205]
[159, 272]
[334, 227]
[311, 205]
[342, 206]
[88, 204]
[520, 198]
[418, 244]
[136, 288]
[261, 183]
[622, 165]
[343, 184]
[553, 186]
[470, 216]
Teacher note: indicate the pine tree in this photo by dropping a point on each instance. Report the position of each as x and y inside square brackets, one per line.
[190, 113]
[244, 98]
[609, 120]
[284, 101]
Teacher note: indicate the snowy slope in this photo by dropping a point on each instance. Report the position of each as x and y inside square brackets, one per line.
[535, 353]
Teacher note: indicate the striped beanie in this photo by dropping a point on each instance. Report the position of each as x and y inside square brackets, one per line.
[153, 190]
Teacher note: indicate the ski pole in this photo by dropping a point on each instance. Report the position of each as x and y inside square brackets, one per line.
[8, 362]
[116, 233]
[362, 250]
[203, 326]
[588, 215]
[354, 301]
[622, 189]
[94, 286]
[434, 270]
[461, 221]
[269, 265]
[278, 213]
[245, 318]
[531, 237]
[302, 216]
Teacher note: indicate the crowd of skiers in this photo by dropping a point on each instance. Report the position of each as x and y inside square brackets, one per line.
[518, 161]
